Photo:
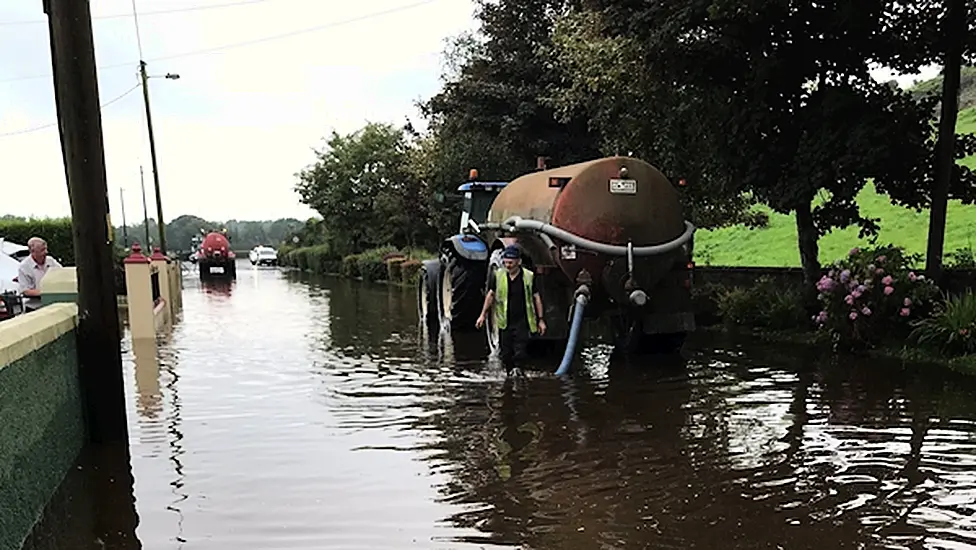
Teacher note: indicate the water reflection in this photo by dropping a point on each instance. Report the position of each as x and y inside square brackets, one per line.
[311, 412]
[94, 508]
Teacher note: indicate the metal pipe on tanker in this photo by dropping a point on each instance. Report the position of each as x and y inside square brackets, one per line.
[610, 249]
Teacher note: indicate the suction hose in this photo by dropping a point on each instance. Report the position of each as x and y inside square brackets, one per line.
[517, 222]
[582, 298]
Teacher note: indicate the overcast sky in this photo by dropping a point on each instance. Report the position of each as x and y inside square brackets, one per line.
[241, 120]
[232, 131]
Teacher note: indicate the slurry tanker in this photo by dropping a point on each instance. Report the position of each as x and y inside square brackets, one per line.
[215, 259]
[606, 238]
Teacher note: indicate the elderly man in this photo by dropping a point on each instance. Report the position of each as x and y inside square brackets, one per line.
[32, 270]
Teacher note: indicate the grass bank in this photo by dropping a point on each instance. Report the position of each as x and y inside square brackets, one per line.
[775, 245]
[385, 264]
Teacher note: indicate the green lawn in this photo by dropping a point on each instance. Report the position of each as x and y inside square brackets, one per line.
[775, 246]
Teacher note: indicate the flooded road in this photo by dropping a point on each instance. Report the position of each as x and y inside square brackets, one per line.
[291, 412]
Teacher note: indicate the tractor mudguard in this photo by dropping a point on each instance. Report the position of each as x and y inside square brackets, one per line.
[468, 247]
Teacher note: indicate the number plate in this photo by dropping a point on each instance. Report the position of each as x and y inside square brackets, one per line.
[568, 252]
[623, 187]
[216, 269]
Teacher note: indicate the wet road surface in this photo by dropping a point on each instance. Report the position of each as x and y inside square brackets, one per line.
[292, 412]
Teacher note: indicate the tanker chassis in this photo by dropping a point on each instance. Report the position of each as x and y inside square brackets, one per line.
[606, 239]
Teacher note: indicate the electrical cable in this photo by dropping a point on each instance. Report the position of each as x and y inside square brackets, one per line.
[246, 42]
[154, 12]
[52, 124]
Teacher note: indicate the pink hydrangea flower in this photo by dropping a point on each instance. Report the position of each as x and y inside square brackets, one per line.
[912, 276]
[853, 315]
[881, 259]
[888, 290]
[849, 299]
[905, 312]
[908, 302]
[887, 280]
[866, 310]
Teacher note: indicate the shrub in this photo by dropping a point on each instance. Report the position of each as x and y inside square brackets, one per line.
[871, 295]
[350, 266]
[952, 327]
[57, 232]
[393, 268]
[410, 272]
[371, 263]
[762, 305]
[961, 258]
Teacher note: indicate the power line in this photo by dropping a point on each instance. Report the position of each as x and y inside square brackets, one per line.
[246, 42]
[52, 124]
[155, 12]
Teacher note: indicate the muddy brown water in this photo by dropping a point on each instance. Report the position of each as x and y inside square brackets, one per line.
[290, 412]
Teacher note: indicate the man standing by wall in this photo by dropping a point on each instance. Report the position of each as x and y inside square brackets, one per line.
[518, 308]
[32, 270]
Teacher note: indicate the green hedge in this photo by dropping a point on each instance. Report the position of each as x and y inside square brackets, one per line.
[57, 232]
[386, 263]
[60, 242]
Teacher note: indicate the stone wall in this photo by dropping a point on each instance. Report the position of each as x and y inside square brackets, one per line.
[41, 416]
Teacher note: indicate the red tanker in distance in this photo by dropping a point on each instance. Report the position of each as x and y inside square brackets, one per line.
[215, 257]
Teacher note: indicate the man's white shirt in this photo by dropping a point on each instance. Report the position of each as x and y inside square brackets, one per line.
[30, 274]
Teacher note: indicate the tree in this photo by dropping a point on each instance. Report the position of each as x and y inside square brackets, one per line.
[798, 120]
[603, 80]
[490, 112]
[360, 186]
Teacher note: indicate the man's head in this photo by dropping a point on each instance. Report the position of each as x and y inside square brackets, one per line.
[38, 249]
[511, 258]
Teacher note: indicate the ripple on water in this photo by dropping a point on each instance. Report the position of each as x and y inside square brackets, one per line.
[293, 413]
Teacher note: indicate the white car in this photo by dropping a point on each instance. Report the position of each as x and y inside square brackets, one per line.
[263, 255]
[14, 250]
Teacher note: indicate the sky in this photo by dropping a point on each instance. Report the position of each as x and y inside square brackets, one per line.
[240, 121]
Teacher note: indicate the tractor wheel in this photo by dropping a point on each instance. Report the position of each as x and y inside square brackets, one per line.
[427, 293]
[491, 329]
[460, 294]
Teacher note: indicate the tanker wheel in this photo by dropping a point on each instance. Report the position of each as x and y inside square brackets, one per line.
[427, 296]
[460, 302]
[630, 338]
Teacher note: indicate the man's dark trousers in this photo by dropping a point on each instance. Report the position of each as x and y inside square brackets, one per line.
[513, 341]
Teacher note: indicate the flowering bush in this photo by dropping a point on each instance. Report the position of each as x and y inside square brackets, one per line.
[872, 294]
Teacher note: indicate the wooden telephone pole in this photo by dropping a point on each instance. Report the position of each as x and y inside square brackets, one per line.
[80, 123]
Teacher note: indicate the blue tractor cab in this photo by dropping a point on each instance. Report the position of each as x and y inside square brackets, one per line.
[478, 197]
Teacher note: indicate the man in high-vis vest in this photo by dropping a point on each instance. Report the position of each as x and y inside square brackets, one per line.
[518, 309]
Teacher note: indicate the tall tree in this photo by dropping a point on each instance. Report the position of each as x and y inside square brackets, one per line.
[490, 111]
[800, 122]
[956, 41]
[603, 79]
[360, 186]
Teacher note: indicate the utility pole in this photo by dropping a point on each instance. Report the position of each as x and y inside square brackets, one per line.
[152, 154]
[125, 228]
[145, 211]
[80, 124]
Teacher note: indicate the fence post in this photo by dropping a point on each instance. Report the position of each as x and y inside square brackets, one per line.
[142, 323]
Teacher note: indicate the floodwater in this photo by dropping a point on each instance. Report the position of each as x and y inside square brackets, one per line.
[287, 412]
